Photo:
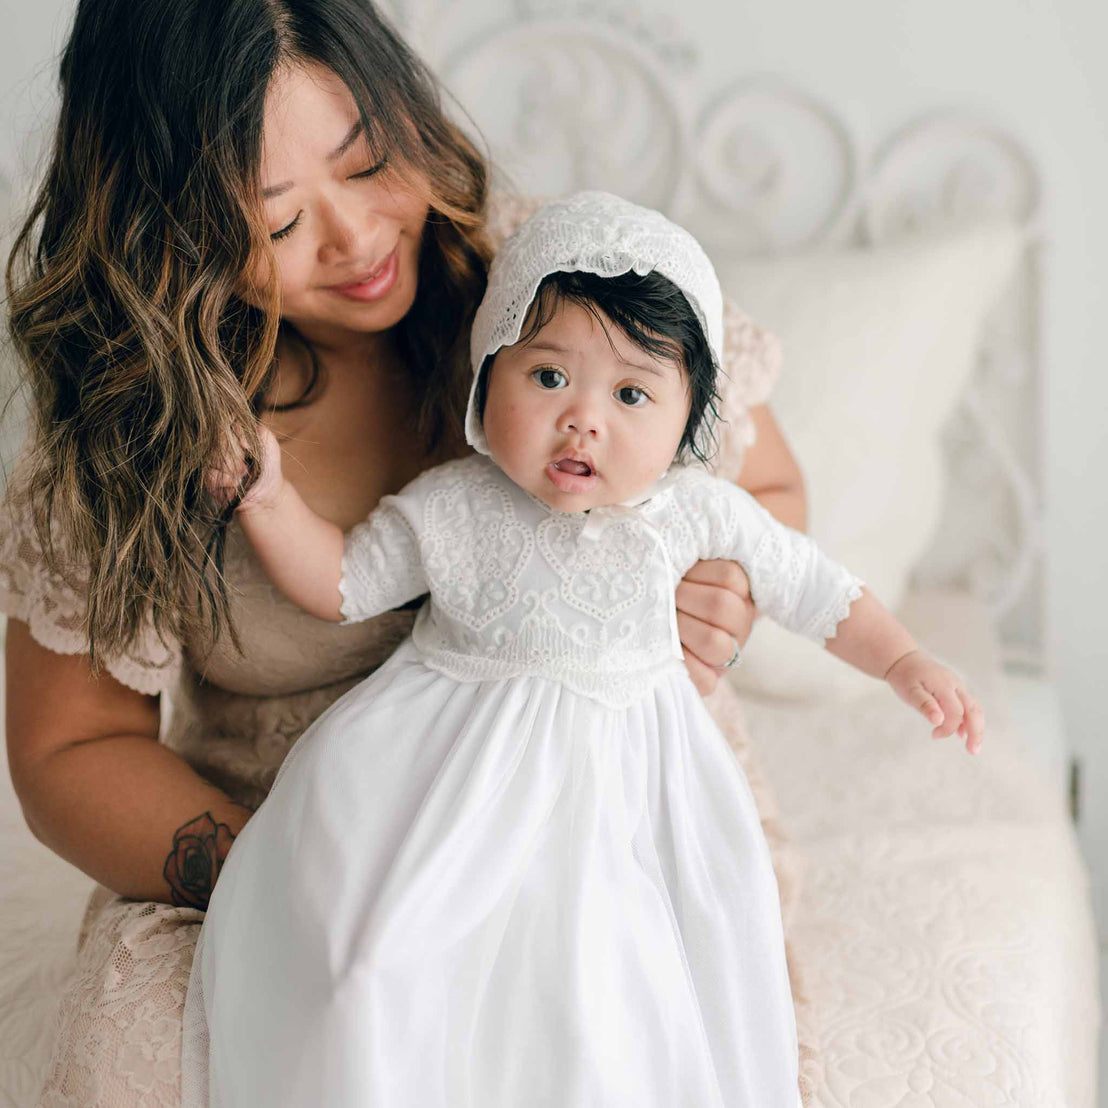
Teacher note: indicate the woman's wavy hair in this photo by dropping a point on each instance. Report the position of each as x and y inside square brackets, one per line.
[124, 282]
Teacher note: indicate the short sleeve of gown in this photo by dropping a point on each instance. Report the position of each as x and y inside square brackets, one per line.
[791, 579]
[54, 606]
[751, 355]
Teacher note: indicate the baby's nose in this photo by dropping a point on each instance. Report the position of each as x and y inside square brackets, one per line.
[581, 417]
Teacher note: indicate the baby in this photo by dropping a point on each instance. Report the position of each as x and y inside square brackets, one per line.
[519, 863]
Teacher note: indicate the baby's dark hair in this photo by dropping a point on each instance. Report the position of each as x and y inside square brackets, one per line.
[655, 315]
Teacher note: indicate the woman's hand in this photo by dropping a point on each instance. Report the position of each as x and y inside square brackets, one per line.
[715, 615]
[224, 481]
[938, 695]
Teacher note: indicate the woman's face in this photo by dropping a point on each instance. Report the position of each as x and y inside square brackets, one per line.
[346, 226]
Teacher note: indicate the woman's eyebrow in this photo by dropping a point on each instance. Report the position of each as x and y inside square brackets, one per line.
[351, 138]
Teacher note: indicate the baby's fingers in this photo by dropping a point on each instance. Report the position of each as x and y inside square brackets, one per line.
[972, 727]
[921, 699]
[952, 709]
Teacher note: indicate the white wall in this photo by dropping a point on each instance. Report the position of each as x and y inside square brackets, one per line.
[1033, 65]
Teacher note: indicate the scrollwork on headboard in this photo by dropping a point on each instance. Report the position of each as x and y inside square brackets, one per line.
[595, 93]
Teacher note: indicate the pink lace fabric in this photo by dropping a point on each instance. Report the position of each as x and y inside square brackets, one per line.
[233, 718]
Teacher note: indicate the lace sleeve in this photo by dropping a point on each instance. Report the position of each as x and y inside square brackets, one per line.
[382, 566]
[53, 607]
[751, 366]
[791, 579]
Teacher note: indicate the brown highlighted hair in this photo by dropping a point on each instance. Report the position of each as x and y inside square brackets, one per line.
[124, 281]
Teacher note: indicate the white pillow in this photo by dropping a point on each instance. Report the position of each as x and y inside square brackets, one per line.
[878, 345]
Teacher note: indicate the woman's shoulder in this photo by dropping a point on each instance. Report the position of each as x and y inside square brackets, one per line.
[48, 594]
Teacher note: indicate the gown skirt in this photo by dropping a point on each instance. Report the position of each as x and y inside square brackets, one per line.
[493, 895]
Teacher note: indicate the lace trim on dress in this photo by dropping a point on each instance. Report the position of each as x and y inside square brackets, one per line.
[825, 625]
[55, 611]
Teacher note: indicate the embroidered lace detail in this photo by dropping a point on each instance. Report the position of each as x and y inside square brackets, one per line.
[776, 573]
[474, 549]
[381, 565]
[54, 607]
[581, 598]
[824, 626]
[600, 578]
[119, 1022]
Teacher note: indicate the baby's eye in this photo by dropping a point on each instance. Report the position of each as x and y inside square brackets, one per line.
[550, 378]
[632, 397]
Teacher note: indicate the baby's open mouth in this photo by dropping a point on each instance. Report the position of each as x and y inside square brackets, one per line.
[571, 465]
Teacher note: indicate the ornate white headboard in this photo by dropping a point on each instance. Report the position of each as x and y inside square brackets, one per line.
[602, 94]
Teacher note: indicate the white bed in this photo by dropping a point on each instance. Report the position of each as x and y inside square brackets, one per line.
[944, 924]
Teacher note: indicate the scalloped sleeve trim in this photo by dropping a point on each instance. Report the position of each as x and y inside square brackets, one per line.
[54, 611]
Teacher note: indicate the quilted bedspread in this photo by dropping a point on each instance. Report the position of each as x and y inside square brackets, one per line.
[944, 926]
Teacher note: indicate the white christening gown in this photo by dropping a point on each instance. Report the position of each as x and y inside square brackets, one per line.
[518, 866]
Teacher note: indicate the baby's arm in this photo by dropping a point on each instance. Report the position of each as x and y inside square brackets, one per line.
[873, 640]
[794, 583]
[300, 551]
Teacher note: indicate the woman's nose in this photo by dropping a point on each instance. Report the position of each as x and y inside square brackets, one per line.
[348, 231]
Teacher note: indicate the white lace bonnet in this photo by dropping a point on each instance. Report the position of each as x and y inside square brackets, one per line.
[590, 232]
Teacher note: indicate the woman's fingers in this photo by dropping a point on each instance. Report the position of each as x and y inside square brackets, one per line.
[723, 573]
[714, 616]
[717, 607]
[711, 645]
[704, 678]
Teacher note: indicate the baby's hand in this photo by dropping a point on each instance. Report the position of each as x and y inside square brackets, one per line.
[938, 695]
[224, 481]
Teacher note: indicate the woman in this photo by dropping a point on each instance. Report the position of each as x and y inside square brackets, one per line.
[252, 206]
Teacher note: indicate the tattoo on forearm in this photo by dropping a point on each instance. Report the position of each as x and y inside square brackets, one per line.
[199, 849]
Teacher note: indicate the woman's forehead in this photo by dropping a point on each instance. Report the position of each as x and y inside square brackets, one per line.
[310, 118]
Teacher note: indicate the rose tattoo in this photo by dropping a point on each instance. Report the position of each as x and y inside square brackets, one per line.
[199, 848]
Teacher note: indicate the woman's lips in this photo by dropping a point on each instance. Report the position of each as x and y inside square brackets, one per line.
[566, 481]
[377, 284]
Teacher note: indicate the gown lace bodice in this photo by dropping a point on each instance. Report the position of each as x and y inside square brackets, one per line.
[583, 598]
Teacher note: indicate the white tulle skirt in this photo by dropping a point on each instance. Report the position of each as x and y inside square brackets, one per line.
[496, 895]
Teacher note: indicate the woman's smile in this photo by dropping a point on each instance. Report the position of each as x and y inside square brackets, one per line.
[377, 283]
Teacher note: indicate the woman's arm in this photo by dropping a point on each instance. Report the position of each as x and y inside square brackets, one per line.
[98, 788]
[771, 475]
[714, 609]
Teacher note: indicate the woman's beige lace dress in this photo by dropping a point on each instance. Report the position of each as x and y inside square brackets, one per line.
[119, 1021]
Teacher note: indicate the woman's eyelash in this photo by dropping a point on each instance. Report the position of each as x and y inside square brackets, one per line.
[284, 232]
[372, 171]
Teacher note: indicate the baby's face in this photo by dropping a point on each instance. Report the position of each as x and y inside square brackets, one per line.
[579, 416]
